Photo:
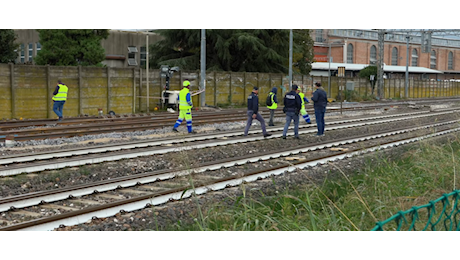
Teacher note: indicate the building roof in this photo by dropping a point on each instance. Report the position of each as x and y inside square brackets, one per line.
[386, 68]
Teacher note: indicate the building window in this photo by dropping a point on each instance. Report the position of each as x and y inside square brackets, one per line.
[350, 53]
[394, 56]
[132, 50]
[23, 58]
[31, 50]
[433, 60]
[450, 61]
[319, 35]
[38, 47]
[414, 57]
[373, 54]
[143, 56]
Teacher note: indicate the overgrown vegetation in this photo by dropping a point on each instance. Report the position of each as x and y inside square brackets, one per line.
[254, 50]
[349, 201]
[71, 47]
[8, 46]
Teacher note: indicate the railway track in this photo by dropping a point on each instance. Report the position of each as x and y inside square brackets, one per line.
[47, 210]
[31, 130]
[28, 163]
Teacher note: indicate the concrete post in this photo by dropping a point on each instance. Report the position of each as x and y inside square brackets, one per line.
[230, 94]
[215, 89]
[80, 92]
[140, 88]
[109, 94]
[134, 90]
[13, 92]
[48, 93]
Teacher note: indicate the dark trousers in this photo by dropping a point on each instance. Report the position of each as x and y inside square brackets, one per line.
[319, 115]
[272, 115]
[292, 116]
[249, 123]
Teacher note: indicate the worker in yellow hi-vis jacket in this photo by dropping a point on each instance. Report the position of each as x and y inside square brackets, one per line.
[303, 111]
[185, 107]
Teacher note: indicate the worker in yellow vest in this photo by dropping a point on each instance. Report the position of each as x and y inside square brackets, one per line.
[185, 108]
[272, 104]
[303, 111]
[59, 98]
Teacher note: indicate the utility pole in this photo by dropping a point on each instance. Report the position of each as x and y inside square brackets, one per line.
[147, 70]
[203, 68]
[291, 37]
[329, 71]
[406, 83]
[381, 37]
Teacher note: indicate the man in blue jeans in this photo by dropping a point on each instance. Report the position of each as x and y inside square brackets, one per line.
[292, 106]
[59, 98]
[319, 98]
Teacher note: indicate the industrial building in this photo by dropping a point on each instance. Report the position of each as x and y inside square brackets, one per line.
[123, 49]
[360, 46]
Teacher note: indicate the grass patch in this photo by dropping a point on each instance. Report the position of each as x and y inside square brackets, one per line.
[343, 200]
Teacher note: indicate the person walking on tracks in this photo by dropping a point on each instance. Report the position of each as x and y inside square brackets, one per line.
[319, 98]
[292, 106]
[59, 98]
[185, 108]
[303, 111]
[253, 112]
[272, 104]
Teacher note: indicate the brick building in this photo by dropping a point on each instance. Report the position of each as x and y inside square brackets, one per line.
[360, 46]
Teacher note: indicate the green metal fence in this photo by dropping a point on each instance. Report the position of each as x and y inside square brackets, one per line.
[440, 214]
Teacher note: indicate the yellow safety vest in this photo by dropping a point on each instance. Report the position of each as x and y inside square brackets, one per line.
[183, 104]
[302, 95]
[62, 94]
[274, 105]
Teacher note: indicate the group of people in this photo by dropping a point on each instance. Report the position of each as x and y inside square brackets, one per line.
[294, 106]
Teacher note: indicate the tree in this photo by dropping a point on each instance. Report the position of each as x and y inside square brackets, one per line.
[7, 46]
[367, 72]
[71, 47]
[303, 51]
[232, 50]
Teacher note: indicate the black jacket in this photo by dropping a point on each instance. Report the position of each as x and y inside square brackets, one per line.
[292, 102]
[253, 103]
[320, 98]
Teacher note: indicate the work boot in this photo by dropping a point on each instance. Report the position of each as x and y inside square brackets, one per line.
[193, 132]
[267, 135]
[309, 122]
[60, 119]
[284, 137]
[175, 130]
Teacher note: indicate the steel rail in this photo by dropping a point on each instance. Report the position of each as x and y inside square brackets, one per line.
[158, 198]
[76, 120]
[30, 199]
[16, 158]
[111, 123]
[156, 148]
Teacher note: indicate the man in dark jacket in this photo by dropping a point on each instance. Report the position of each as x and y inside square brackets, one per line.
[292, 106]
[253, 112]
[319, 98]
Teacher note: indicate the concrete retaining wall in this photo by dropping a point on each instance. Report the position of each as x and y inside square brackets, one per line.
[26, 90]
